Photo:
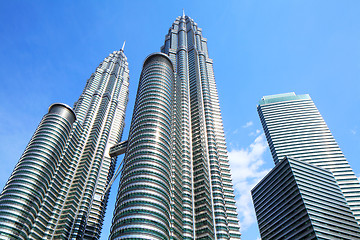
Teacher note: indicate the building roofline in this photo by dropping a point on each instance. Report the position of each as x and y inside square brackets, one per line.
[283, 98]
[63, 105]
[159, 54]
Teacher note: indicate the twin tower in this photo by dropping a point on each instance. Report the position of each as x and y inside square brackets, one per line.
[175, 178]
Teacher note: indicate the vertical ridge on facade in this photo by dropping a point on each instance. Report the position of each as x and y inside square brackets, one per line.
[187, 49]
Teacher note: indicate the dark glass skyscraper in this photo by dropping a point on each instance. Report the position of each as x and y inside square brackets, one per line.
[57, 190]
[176, 180]
[294, 127]
[297, 200]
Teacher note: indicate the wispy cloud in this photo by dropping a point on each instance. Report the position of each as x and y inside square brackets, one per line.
[247, 171]
[248, 124]
[255, 133]
[353, 132]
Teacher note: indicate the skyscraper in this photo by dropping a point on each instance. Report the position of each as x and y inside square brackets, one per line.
[57, 189]
[294, 127]
[176, 181]
[297, 200]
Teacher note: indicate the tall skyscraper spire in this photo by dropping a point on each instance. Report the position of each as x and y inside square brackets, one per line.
[102, 107]
[176, 181]
[57, 189]
[202, 130]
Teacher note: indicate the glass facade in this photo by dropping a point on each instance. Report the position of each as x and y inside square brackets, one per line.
[297, 200]
[143, 203]
[294, 127]
[57, 190]
[33, 186]
[176, 181]
[203, 141]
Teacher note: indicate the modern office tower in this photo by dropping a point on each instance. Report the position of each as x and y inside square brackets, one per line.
[176, 181]
[57, 190]
[294, 127]
[297, 200]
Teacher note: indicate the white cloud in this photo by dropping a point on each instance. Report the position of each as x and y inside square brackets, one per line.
[353, 132]
[255, 133]
[248, 124]
[247, 171]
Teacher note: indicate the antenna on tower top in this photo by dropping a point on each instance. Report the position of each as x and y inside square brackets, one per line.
[183, 13]
[122, 49]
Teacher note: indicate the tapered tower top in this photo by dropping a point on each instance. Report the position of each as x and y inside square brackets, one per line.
[157, 54]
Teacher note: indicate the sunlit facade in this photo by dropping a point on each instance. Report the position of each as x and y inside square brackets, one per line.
[176, 181]
[297, 200]
[57, 190]
[294, 127]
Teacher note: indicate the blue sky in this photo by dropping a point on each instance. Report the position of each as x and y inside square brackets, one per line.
[48, 49]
